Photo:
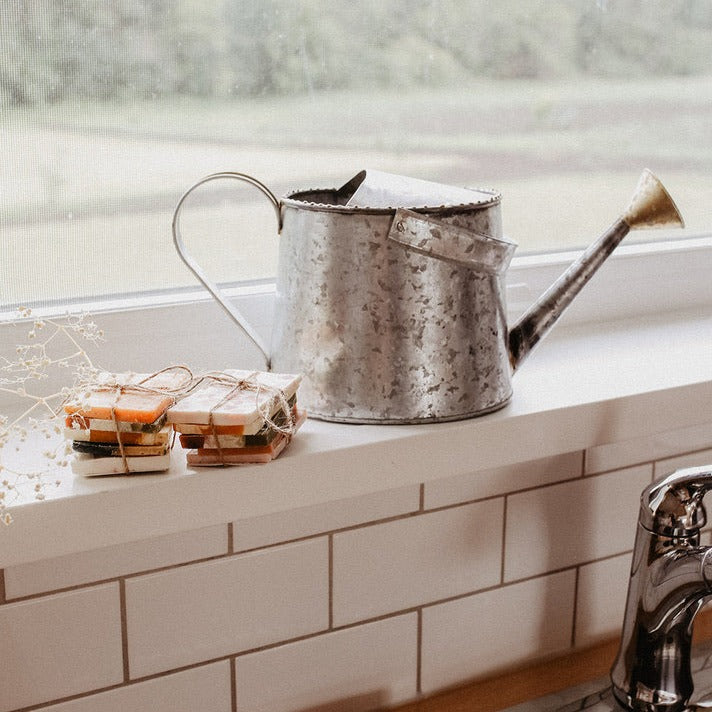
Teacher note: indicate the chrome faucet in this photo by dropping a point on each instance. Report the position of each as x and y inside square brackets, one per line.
[671, 576]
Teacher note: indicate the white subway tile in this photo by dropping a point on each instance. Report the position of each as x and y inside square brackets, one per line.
[695, 459]
[573, 522]
[487, 632]
[393, 566]
[601, 593]
[613, 456]
[59, 645]
[206, 688]
[203, 611]
[113, 561]
[283, 526]
[489, 483]
[366, 667]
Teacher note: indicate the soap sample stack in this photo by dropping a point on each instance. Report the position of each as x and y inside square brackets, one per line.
[225, 423]
[120, 425]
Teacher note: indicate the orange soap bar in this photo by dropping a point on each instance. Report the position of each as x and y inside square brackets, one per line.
[106, 436]
[96, 424]
[127, 406]
[236, 456]
[134, 406]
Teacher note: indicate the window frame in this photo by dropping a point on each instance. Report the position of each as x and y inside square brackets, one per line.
[638, 280]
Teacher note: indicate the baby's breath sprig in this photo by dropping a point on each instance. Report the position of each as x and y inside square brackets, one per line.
[54, 344]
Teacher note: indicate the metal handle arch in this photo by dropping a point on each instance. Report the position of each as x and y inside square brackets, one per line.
[198, 271]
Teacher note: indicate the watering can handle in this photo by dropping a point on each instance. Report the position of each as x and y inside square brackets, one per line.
[197, 270]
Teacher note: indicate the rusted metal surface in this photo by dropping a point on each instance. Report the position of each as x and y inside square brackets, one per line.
[651, 205]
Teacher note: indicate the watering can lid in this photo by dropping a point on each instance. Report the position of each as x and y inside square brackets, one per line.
[376, 189]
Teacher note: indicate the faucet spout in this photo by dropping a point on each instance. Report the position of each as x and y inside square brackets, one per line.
[671, 577]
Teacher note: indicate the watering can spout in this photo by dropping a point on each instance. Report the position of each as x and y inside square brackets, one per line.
[650, 207]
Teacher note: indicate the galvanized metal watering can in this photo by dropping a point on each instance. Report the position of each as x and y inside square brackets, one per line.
[396, 314]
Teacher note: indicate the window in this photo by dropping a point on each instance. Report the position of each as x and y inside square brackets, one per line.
[111, 110]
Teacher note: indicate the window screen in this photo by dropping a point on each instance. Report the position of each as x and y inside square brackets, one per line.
[110, 110]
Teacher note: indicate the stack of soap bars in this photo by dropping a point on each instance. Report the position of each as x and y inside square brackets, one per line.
[245, 418]
[121, 428]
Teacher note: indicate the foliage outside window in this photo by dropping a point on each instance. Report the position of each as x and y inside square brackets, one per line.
[111, 110]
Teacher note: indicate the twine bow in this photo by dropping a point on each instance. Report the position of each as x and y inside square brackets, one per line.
[175, 392]
[265, 407]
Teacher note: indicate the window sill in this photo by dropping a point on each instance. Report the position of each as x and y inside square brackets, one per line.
[584, 386]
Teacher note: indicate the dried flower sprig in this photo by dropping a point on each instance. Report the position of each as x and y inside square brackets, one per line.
[55, 344]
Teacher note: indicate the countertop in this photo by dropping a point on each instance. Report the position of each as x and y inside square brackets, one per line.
[596, 695]
[583, 386]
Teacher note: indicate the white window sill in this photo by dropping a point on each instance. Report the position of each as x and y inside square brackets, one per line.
[584, 386]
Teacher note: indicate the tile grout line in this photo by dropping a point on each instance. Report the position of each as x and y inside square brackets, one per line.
[575, 606]
[234, 656]
[504, 540]
[330, 574]
[70, 698]
[362, 525]
[419, 610]
[118, 686]
[419, 655]
[124, 630]
[640, 463]
[118, 577]
[524, 490]
[540, 574]
[340, 530]
[233, 684]
[502, 583]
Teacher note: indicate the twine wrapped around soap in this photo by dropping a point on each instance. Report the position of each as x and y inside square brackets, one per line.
[175, 393]
[250, 383]
[234, 384]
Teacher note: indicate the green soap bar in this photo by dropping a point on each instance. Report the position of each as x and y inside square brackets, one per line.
[264, 437]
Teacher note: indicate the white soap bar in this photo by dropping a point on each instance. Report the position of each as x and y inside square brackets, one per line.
[90, 466]
[242, 407]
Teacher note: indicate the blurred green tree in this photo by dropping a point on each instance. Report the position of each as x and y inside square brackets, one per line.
[53, 50]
